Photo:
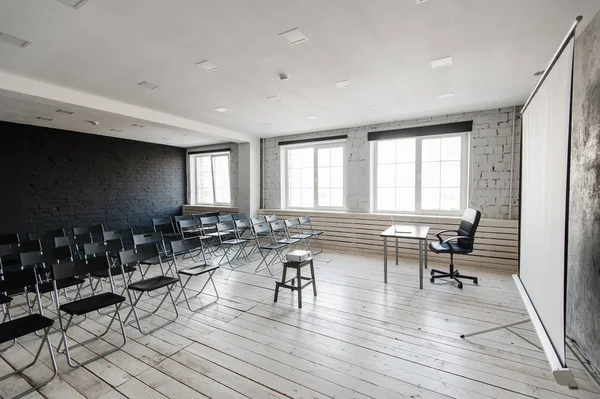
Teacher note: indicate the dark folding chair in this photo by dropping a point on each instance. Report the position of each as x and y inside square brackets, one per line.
[152, 239]
[189, 228]
[188, 246]
[462, 243]
[307, 229]
[265, 245]
[83, 306]
[16, 328]
[46, 238]
[209, 226]
[280, 235]
[9, 239]
[294, 231]
[271, 218]
[109, 249]
[9, 254]
[177, 219]
[238, 216]
[165, 226]
[228, 243]
[135, 257]
[96, 231]
[75, 242]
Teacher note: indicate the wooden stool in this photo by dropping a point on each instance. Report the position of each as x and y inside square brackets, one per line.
[296, 281]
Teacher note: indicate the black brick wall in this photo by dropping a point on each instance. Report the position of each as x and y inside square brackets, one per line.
[54, 178]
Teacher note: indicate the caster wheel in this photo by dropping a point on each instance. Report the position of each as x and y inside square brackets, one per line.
[476, 282]
[432, 280]
[460, 286]
[456, 273]
[432, 273]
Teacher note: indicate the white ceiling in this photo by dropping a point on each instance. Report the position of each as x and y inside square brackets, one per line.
[383, 46]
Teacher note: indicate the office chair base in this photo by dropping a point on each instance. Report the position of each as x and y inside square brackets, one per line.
[454, 275]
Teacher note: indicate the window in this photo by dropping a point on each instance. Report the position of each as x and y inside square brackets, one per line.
[314, 177]
[209, 179]
[425, 174]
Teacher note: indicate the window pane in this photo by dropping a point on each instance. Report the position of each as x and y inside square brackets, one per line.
[405, 150]
[295, 177]
[451, 149]
[307, 178]
[405, 175]
[295, 198]
[386, 175]
[450, 199]
[204, 182]
[307, 157]
[337, 177]
[324, 157]
[430, 198]
[324, 177]
[386, 199]
[307, 198]
[294, 159]
[430, 150]
[337, 156]
[337, 197]
[405, 199]
[430, 174]
[386, 152]
[450, 174]
[324, 197]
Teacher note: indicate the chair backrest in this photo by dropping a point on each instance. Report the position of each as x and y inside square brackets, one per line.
[18, 280]
[46, 256]
[225, 218]
[278, 227]
[261, 228]
[291, 222]
[46, 238]
[133, 256]
[96, 229]
[187, 224]
[238, 216]
[17, 248]
[72, 240]
[271, 218]
[468, 227]
[118, 234]
[9, 239]
[95, 248]
[163, 224]
[209, 220]
[304, 220]
[212, 214]
[258, 220]
[148, 238]
[79, 268]
[242, 225]
[228, 226]
[189, 244]
[182, 217]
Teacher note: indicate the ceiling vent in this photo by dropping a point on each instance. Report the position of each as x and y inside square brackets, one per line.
[116, 130]
[294, 36]
[342, 83]
[274, 98]
[44, 119]
[147, 85]
[76, 4]
[15, 41]
[441, 62]
[136, 125]
[208, 66]
[62, 111]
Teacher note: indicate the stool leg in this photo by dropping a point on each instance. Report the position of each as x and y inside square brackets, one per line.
[312, 274]
[299, 278]
[277, 284]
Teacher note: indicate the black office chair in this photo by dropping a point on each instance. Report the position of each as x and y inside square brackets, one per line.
[461, 244]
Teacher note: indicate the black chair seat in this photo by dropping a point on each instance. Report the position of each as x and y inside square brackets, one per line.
[92, 303]
[448, 247]
[155, 260]
[313, 232]
[234, 242]
[272, 246]
[114, 271]
[4, 299]
[300, 236]
[220, 233]
[197, 270]
[60, 284]
[151, 284]
[23, 326]
[288, 241]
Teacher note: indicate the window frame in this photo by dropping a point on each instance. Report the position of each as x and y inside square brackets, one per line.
[315, 146]
[464, 180]
[193, 175]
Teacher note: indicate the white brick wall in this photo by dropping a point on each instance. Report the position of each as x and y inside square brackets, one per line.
[490, 161]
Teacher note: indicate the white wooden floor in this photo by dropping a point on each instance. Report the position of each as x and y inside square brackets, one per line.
[359, 338]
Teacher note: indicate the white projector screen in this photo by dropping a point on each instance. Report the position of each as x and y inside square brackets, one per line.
[544, 199]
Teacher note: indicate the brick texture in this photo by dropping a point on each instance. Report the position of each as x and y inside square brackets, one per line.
[490, 161]
[59, 179]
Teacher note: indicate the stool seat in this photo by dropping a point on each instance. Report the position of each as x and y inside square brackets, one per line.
[296, 282]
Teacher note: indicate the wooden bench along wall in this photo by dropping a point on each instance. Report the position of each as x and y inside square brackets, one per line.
[197, 209]
[496, 243]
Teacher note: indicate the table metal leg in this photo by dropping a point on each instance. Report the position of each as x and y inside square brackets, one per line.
[421, 251]
[396, 251]
[426, 249]
[385, 259]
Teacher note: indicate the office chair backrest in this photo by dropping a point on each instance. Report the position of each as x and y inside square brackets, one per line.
[468, 227]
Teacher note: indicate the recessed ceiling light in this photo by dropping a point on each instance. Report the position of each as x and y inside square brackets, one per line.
[116, 130]
[62, 111]
[136, 125]
[208, 66]
[370, 106]
[294, 36]
[221, 109]
[147, 85]
[446, 95]
[95, 123]
[342, 83]
[15, 41]
[311, 117]
[76, 4]
[266, 124]
[441, 62]
[274, 98]
[44, 119]
[422, 1]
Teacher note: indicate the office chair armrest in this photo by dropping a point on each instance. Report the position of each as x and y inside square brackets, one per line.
[439, 233]
[456, 238]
